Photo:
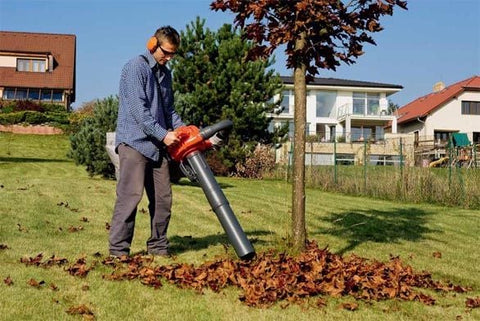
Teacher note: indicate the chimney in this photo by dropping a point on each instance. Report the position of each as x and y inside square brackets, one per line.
[439, 86]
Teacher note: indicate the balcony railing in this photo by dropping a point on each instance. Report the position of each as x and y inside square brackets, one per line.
[350, 109]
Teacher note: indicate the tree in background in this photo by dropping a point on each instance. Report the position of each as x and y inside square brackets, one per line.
[317, 34]
[392, 107]
[214, 81]
[87, 143]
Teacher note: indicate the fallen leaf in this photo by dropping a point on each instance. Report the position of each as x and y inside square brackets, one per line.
[35, 283]
[8, 281]
[22, 228]
[79, 269]
[82, 310]
[473, 303]
[349, 306]
[73, 229]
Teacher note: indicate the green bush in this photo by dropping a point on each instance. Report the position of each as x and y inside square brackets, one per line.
[57, 119]
[12, 118]
[35, 117]
[11, 106]
[87, 143]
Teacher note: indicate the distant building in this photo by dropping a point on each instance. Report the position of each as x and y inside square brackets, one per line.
[38, 67]
[444, 111]
[345, 110]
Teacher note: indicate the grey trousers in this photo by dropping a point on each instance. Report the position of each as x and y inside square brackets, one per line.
[136, 174]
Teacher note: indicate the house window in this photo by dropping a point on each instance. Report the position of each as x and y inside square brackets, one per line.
[373, 103]
[320, 132]
[57, 95]
[9, 93]
[384, 160]
[21, 94]
[379, 133]
[52, 95]
[34, 94]
[290, 127]
[345, 159]
[358, 103]
[325, 101]
[476, 137]
[366, 103]
[470, 107]
[442, 136]
[360, 134]
[287, 101]
[31, 65]
[46, 95]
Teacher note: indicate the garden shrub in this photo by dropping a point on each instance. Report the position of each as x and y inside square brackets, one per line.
[89, 139]
[57, 119]
[33, 113]
[12, 118]
[28, 105]
[34, 117]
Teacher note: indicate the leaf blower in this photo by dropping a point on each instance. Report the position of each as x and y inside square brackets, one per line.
[189, 154]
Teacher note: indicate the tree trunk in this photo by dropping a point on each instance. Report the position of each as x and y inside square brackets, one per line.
[298, 186]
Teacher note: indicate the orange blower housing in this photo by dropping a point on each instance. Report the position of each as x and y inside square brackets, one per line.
[191, 141]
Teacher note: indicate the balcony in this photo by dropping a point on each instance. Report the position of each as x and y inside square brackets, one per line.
[363, 111]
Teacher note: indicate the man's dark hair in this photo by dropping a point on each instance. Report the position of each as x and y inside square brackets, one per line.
[169, 34]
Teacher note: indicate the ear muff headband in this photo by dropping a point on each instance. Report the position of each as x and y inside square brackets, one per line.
[152, 44]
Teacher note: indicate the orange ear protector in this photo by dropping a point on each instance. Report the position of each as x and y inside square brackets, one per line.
[152, 44]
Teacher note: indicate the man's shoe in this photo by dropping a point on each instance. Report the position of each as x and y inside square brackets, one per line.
[160, 253]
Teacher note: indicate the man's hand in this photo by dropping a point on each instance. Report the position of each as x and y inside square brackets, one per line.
[171, 139]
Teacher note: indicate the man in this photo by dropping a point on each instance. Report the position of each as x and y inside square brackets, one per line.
[146, 119]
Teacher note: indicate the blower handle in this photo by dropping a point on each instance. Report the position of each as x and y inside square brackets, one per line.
[223, 128]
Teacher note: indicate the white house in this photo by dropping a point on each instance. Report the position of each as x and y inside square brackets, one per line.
[347, 110]
[447, 110]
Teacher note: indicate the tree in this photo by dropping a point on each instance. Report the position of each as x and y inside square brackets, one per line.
[392, 107]
[317, 34]
[87, 143]
[213, 81]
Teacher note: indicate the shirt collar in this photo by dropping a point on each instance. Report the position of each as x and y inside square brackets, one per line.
[151, 61]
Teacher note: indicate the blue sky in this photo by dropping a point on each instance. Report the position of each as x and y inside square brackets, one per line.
[435, 40]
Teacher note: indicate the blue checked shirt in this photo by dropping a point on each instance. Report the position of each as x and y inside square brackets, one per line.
[141, 122]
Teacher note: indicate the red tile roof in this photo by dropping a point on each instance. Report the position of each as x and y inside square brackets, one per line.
[425, 105]
[61, 46]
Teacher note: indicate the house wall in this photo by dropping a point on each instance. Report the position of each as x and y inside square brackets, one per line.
[8, 61]
[413, 127]
[450, 118]
[323, 153]
[344, 98]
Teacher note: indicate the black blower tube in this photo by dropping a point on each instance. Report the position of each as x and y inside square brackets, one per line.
[223, 128]
[219, 202]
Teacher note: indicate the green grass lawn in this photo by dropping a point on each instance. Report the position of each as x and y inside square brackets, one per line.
[48, 205]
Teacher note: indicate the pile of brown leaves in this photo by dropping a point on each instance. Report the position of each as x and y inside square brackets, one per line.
[270, 278]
